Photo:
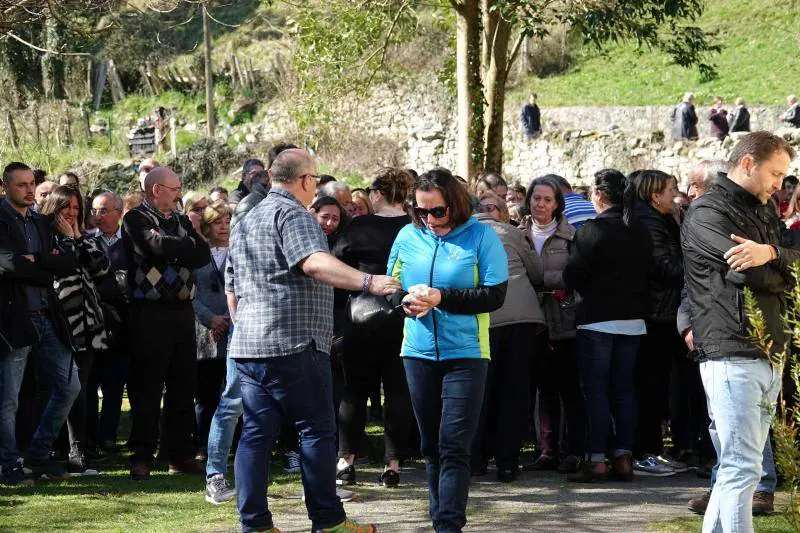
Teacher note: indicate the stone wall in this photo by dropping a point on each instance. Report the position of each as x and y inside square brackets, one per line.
[577, 141]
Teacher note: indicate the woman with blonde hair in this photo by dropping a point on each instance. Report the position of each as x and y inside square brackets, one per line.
[361, 203]
[792, 219]
[194, 205]
[212, 320]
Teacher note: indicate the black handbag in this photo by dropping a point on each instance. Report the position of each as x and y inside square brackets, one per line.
[369, 311]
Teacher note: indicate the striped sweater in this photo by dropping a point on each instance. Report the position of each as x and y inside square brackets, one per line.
[77, 294]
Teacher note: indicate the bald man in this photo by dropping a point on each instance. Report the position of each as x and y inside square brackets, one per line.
[163, 249]
[145, 167]
[43, 190]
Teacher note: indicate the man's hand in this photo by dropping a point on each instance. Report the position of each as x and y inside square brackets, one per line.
[688, 338]
[30, 258]
[748, 254]
[383, 285]
[219, 323]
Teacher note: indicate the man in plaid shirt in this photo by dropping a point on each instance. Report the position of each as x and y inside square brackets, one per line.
[282, 278]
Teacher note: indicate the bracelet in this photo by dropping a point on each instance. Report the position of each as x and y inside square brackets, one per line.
[366, 283]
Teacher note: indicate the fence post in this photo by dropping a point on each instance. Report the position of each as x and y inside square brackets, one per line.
[173, 137]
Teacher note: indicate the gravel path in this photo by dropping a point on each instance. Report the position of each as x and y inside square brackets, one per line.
[536, 502]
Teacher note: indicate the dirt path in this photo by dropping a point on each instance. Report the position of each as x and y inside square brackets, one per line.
[536, 502]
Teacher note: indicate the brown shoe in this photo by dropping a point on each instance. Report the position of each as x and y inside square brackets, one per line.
[700, 504]
[544, 462]
[590, 473]
[763, 503]
[186, 466]
[140, 470]
[622, 468]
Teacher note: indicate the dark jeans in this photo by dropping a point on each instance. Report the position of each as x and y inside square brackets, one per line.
[368, 359]
[298, 388]
[77, 418]
[657, 352]
[164, 354]
[504, 412]
[556, 369]
[447, 397]
[210, 380]
[109, 374]
[689, 418]
[606, 364]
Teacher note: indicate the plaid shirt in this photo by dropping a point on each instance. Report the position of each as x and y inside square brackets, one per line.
[281, 311]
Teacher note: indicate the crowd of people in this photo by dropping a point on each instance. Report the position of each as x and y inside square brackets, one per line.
[477, 313]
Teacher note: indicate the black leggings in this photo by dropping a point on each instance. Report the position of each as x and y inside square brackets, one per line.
[370, 357]
[210, 382]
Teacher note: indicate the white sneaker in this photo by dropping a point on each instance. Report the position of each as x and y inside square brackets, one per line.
[650, 466]
[343, 494]
[677, 466]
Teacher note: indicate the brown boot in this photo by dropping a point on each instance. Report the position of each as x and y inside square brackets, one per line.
[186, 466]
[700, 504]
[622, 468]
[590, 473]
[763, 503]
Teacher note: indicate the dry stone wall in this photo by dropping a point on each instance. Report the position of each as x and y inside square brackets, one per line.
[577, 141]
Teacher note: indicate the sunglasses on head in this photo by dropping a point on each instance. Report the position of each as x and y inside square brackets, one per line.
[437, 212]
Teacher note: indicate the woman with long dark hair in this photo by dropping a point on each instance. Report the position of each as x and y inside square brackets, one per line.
[455, 272]
[369, 358]
[80, 305]
[608, 267]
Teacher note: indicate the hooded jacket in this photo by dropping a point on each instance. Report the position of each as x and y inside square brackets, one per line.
[470, 268]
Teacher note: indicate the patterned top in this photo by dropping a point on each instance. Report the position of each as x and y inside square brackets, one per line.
[280, 310]
[578, 209]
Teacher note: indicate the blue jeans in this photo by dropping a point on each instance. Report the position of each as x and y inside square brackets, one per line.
[223, 425]
[769, 477]
[606, 365]
[53, 363]
[741, 398]
[447, 397]
[298, 387]
[12, 369]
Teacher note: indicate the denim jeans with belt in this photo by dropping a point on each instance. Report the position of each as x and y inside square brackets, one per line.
[53, 363]
[741, 398]
[606, 364]
[447, 397]
[298, 387]
[223, 425]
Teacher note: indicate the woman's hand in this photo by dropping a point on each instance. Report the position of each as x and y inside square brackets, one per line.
[219, 323]
[419, 305]
[76, 229]
[63, 227]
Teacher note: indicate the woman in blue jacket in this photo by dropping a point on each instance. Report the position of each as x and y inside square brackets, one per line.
[456, 271]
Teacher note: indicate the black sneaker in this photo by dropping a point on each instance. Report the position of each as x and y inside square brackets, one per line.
[15, 477]
[346, 476]
[45, 468]
[389, 479]
[77, 465]
[218, 490]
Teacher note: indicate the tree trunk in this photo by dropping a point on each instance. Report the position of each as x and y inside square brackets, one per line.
[469, 140]
[210, 114]
[495, 87]
[53, 70]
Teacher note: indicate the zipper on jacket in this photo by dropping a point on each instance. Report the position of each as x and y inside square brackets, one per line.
[433, 313]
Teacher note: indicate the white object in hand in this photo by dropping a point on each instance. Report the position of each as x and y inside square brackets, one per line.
[420, 290]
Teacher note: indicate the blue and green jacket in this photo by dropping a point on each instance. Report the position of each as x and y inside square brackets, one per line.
[469, 265]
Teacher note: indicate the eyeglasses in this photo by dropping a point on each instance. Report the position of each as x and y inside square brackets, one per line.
[489, 208]
[173, 189]
[312, 176]
[440, 211]
[101, 212]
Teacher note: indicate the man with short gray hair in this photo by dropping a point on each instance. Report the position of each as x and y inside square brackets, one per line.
[684, 119]
[341, 193]
[792, 115]
[703, 175]
[281, 342]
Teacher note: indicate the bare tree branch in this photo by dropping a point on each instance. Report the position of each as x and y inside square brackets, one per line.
[31, 45]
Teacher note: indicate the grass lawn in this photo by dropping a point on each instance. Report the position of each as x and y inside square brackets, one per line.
[762, 524]
[759, 62]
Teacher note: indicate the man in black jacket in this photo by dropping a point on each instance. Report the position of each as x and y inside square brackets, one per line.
[731, 241]
[684, 119]
[163, 250]
[249, 170]
[31, 322]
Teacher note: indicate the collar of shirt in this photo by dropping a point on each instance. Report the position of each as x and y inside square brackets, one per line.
[14, 213]
[286, 194]
[149, 208]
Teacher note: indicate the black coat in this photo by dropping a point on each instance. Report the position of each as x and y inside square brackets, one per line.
[739, 120]
[684, 121]
[716, 292]
[16, 328]
[666, 263]
[608, 267]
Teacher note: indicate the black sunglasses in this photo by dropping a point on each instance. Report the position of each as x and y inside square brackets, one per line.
[439, 211]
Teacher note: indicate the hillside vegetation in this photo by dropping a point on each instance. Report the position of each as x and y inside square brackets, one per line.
[759, 61]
